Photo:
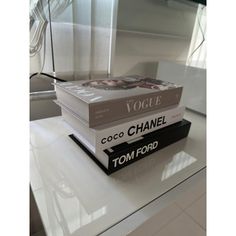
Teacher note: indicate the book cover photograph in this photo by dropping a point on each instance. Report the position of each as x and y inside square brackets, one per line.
[105, 100]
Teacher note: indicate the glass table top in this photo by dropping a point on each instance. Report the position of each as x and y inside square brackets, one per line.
[75, 197]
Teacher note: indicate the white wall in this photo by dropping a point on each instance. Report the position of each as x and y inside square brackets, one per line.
[193, 80]
[157, 16]
[149, 31]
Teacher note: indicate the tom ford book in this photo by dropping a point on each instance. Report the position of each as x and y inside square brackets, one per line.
[105, 136]
[126, 153]
[101, 101]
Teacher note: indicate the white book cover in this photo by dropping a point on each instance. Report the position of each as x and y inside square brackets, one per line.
[117, 132]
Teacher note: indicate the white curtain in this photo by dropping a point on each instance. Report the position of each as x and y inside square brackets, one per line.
[197, 50]
[83, 34]
[93, 36]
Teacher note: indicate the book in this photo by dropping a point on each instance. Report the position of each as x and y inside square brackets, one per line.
[126, 153]
[105, 136]
[102, 101]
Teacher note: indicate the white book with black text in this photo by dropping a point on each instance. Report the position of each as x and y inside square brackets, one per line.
[105, 136]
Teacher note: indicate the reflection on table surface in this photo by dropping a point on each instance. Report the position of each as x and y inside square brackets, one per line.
[74, 196]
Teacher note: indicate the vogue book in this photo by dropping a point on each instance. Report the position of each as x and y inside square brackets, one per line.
[119, 156]
[101, 101]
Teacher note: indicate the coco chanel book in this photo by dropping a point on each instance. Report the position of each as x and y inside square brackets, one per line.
[119, 156]
[101, 101]
[105, 136]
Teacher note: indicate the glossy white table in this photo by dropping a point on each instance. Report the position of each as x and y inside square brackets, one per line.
[75, 197]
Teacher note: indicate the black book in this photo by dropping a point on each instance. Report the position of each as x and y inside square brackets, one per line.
[126, 153]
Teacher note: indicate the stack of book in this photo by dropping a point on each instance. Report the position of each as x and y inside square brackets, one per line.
[120, 120]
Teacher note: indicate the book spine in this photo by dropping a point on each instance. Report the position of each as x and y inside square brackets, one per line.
[133, 129]
[104, 112]
[145, 146]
